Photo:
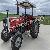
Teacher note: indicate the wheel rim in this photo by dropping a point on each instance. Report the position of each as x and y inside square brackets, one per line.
[5, 34]
[18, 41]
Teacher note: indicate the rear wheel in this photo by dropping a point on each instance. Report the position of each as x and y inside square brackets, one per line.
[34, 30]
[16, 42]
[5, 36]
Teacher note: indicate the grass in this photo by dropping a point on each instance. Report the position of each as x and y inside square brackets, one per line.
[4, 15]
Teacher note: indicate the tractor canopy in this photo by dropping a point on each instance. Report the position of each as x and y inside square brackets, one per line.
[26, 5]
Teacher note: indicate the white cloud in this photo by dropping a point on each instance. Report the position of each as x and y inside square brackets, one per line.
[42, 6]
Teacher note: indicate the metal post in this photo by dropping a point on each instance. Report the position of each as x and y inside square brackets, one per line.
[17, 9]
[25, 11]
[32, 10]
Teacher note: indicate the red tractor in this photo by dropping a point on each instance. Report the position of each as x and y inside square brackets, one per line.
[15, 27]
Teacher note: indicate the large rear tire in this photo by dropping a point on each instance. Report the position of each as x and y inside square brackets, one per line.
[16, 42]
[34, 30]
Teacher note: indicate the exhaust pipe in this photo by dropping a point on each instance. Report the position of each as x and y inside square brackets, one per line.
[7, 12]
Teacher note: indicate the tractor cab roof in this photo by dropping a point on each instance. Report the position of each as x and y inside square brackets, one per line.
[26, 5]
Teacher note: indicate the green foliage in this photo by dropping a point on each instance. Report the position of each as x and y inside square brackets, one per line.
[46, 20]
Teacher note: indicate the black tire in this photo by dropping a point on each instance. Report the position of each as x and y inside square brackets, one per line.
[16, 42]
[5, 36]
[38, 25]
[34, 30]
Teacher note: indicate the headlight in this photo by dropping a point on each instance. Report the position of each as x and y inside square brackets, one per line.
[4, 24]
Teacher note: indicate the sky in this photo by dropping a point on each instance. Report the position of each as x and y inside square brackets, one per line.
[42, 6]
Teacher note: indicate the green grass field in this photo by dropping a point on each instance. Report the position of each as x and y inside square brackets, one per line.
[4, 15]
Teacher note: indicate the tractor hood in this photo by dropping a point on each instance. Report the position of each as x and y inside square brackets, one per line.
[15, 22]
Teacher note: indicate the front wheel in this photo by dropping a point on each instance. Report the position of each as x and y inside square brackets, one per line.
[16, 42]
[5, 36]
